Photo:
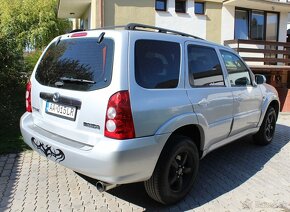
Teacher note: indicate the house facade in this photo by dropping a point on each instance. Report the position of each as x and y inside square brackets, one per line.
[257, 29]
[91, 14]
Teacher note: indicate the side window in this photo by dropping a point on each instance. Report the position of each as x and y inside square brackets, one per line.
[238, 73]
[157, 64]
[160, 5]
[204, 67]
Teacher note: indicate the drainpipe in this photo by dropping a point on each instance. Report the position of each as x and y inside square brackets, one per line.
[101, 13]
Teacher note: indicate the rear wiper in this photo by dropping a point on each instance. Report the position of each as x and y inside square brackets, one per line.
[70, 79]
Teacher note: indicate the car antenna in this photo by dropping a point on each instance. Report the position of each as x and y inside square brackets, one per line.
[58, 40]
[101, 37]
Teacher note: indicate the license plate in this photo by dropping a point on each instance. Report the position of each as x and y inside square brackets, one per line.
[61, 111]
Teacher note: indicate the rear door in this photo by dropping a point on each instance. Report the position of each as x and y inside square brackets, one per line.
[247, 96]
[70, 87]
[208, 92]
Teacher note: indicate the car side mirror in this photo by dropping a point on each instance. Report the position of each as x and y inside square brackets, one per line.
[260, 79]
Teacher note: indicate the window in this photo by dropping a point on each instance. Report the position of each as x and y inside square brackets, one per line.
[157, 64]
[77, 58]
[272, 27]
[238, 73]
[242, 24]
[204, 67]
[180, 6]
[258, 25]
[160, 5]
[199, 8]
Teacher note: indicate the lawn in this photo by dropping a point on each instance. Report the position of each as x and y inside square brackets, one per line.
[12, 106]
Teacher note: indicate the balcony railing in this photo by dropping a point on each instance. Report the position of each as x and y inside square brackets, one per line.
[262, 54]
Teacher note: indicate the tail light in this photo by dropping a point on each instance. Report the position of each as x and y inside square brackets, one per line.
[28, 97]
[119, 120]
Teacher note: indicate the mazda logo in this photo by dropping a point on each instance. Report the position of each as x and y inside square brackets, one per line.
[55, 97]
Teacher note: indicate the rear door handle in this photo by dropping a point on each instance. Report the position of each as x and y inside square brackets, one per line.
[203, 102]
[239, 99]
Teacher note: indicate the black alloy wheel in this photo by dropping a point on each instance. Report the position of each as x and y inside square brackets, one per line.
[266, 132]
[175, 172]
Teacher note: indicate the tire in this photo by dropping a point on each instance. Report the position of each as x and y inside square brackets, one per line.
[175, 172]
[266, 132]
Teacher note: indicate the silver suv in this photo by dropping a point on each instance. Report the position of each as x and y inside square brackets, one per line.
[142, 104]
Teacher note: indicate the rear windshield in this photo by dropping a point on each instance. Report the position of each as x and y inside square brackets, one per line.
[77, 64]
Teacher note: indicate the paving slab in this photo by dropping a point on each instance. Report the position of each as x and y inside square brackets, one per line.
[238, 177]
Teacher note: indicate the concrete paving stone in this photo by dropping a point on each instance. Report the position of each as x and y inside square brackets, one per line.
[6, 201]
[8, 166]
[3, 158]
[2, 163]
[234, 178]
[103, 209]
[14, 176]
[4, 180]
[82, 209]
[15, 207]
[4, 209]
[53, 207]
[28, 208]
[10, 161]
[2, 187]
[9, 193]
[77, 205]
[90, 207]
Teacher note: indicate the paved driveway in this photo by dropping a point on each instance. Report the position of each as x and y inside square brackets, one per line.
[239, 176]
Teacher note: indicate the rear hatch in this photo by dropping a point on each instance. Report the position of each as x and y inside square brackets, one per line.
[70, 86]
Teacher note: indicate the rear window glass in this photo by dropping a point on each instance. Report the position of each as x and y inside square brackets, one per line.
[157, 64]
[204, 67]
[77, 64]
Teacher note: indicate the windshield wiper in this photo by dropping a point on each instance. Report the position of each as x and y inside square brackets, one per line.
[70, 79]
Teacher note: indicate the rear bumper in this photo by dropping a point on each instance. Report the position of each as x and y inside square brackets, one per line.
[109, 160]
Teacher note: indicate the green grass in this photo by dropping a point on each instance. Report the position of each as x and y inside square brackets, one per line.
[12, 106]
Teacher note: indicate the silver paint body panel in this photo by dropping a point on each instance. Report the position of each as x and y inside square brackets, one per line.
[222, 115]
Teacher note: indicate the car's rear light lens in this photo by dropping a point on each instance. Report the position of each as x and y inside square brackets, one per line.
[28, 97]
[81, 34]
[119, 120]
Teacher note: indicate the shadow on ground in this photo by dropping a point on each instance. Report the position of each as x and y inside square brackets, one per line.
[220, 172]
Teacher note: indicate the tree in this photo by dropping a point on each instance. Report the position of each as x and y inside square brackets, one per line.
[11, 61]
[33, 23]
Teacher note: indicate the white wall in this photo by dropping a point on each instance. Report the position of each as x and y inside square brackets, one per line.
[288, 24]
[228, 23]
[283, 27]
[185, 22]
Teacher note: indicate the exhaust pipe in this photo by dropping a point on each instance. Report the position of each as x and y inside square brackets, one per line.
[101, 186]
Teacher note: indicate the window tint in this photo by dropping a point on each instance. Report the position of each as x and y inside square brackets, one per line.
[180, 6]
[241, 24]
[204, 67]
[238, 73]
[258, 25]
[157, 63]
[160, 5]
[199, 8]
[78, 58]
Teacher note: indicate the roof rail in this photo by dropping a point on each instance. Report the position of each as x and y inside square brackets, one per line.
[143, 27]
[135, 26]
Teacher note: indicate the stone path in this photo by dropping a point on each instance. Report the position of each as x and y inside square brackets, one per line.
[239, 176]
